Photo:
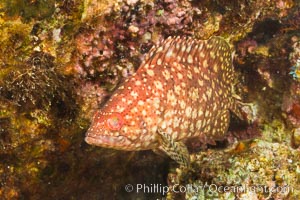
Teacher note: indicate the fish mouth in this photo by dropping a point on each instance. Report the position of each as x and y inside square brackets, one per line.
[115, 142]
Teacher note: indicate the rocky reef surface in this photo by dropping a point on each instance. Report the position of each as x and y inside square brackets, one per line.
[60, 60]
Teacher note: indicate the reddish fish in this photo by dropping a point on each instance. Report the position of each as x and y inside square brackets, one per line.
[182, 90]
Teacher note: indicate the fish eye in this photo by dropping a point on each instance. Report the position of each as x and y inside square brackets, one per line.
[114, 123]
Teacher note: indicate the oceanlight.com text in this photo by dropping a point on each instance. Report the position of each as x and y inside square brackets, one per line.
[164, 189]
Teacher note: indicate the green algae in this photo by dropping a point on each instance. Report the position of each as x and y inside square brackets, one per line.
[36, 9]
[15, 44]
[263, 167]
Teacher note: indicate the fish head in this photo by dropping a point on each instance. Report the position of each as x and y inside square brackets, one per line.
[105, 130]
[112, 130]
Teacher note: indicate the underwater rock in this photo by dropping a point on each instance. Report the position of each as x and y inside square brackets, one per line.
[260, 170]
[296, 138]
[294, 58]
[291, 106]
[37, 9]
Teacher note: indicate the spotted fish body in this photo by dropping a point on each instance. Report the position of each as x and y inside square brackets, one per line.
[182, 89]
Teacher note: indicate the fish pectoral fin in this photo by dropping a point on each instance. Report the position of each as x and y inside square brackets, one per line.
[160, 152]
[176, 150]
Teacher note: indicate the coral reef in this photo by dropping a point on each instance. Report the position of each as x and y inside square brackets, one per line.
[61, 60]
[244, 175]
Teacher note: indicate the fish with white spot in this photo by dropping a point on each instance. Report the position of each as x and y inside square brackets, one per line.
[181, 91]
